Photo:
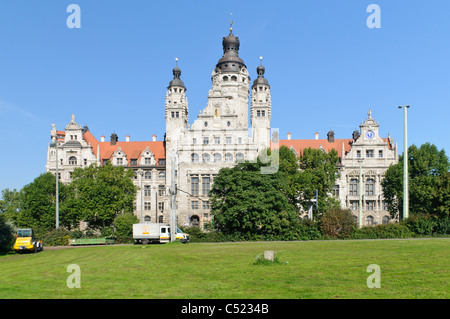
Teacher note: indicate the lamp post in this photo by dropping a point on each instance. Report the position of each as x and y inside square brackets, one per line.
[360, 161]
[405, 163]
[55, 144]
[141, 173]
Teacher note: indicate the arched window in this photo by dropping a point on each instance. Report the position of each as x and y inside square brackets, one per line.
[225, 78]
[206, 158]
[162, 175]
[217, 158]
[194, 158]
[239, 157]
[228, 157]
[72, 160]
[147, 219]
[234, 78]
[385, 220]
[369, 220]
[148, 175]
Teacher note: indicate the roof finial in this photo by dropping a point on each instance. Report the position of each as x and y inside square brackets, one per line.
[176, 61]
[370, 112]
[231, 22]
[260, 60]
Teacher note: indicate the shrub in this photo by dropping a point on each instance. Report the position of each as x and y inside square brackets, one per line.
[382, 231]
[124, 226]
[337, 223]
[56, 237]
[427, 225]
[6, 235]
[308, 230]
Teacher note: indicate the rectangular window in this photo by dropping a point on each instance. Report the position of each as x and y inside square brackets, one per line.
[161, 190]
[177, 114]
[369, 153]
[206, 205]
[172, 114]
[194, 204]
[263, 113]
[239, 140]
[194, 185]
[194, 141]
[354, 187]
[206, 181]
[133, 162]
[228, 139]
[162, 161]
[354, 205]
[370, 187]
[384, 205]
[147, 191]
[358, 154]
[160, 206]
[147, 206]
[258, 113]
[217, 140]
[336, 190]
[370, 204]
[380, 153]
[205, 141]
[119, 161]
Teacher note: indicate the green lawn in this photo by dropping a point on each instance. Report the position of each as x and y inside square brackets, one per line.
[416, 268]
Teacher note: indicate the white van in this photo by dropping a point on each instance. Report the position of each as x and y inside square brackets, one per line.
[156, 232]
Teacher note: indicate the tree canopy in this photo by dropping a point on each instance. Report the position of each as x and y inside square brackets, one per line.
[246, 202]
[429, 182]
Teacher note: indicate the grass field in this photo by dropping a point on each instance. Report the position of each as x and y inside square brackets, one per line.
[416, 268]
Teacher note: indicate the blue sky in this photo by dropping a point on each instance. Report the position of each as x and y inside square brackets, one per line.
[325, 66]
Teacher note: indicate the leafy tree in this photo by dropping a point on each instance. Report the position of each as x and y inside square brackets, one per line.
[315, 169]
[99, 194]
[252, 205]
[9, 204]
[38, 202]
[124, 225]
[6, 235]
[337, 223]
[429, 182]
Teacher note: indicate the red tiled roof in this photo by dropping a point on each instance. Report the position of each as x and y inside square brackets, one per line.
[132, 150]
[300, 145]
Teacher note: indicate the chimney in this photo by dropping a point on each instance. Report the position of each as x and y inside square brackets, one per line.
[288, 136]
[316, 136]
[114, 139]
[102, 138]
[330, 136]
[154, 138]
[127, 138]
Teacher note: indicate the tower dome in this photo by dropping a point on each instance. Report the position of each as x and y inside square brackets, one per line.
[230, 60]
[176, 77]
[260, 70]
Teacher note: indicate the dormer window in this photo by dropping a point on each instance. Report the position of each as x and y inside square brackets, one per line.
[72, 160]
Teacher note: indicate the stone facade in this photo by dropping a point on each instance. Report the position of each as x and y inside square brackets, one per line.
[220, 137]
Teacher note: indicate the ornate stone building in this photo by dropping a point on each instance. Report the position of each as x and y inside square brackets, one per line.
[220, 137]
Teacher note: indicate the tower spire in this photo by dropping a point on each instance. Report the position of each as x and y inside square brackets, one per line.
[231, 22]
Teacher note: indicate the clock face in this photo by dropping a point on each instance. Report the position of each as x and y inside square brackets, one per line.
[370, 135]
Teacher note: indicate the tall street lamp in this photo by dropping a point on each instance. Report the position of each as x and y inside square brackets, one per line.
[405, 163]
[360, 219]
[55, 144]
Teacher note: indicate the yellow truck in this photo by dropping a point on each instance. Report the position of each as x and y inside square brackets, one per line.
[25, 241]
